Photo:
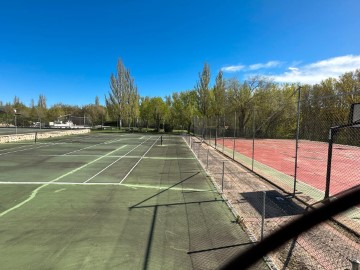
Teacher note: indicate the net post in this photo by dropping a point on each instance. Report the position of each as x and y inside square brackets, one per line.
[36, 136]
[161, 139]
[263, 215]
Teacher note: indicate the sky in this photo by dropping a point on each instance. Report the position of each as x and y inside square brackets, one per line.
[66, 50]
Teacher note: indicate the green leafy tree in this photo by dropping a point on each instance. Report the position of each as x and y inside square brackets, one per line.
[159, 111]
[145, 111]
[239, 100]
[183, 108]
[203, 99]
[123, 99]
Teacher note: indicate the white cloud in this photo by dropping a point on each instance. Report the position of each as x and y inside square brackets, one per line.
[270, 64]
[233, 68]
[293, 68]
[318, 71]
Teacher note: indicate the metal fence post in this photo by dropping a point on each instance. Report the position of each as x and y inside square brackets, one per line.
[199, 149]
[224, 136]
[207, 160]
[355, 264]
[253, 145]
[216, 131]
[332, 132]
[297, 140]
[222, 178]
[263, 215]
[234, 137]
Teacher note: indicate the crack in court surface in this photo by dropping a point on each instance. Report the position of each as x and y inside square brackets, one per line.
[35, 191]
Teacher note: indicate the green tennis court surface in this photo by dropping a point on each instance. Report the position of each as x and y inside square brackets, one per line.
[111, 201]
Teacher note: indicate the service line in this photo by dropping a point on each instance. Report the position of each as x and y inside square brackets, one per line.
[112, 163]
[138, 161]
[35, 191]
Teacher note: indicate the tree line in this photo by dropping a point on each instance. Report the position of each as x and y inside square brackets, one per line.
[256, 105]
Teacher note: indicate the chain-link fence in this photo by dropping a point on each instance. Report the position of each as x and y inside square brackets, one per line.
[261, 208]
[288, 145]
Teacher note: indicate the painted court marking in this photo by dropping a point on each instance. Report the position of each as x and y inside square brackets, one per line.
[115, 161]
[138, 161]
[35, 191]
[123, 156]
[135, 186]
[107, 142]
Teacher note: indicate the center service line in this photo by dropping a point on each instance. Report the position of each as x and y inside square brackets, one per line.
[138, 161]
[115, 161]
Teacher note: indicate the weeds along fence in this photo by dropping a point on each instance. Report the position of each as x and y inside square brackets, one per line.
[287, 144]
[263, 209]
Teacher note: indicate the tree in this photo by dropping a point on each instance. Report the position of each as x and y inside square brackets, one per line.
[203, 99]
[218, 104]
[183, 108]
[97, 102]
[42, 101]
[123, 98]
[145, 111]
[239, 99]
[94, 113]
[158, 110]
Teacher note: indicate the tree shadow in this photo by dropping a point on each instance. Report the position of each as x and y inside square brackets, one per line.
[276, 204]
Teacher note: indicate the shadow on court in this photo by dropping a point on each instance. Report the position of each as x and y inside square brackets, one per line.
[157, 194]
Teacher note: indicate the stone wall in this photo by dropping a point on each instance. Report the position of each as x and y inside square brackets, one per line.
[41, 135]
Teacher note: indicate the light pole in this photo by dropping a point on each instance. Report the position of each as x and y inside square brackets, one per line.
[15, 121]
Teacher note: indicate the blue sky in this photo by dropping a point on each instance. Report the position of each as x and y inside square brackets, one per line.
[67, 50]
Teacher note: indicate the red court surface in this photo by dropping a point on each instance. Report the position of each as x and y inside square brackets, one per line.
[312, 160]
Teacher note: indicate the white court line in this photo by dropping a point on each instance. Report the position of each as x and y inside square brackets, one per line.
[106, 142]
[138, 161]
[115, 161]
[116, 156]
[41, 146]
[135, 186]
[35, 191]
[27, 149]
[35, 147]
[16, 147]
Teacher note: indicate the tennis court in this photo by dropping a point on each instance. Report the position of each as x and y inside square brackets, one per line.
[20, 130]
[312, 161]
[112, 201]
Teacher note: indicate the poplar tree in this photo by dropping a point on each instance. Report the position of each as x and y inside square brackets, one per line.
[123, 99]
[203, 100]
